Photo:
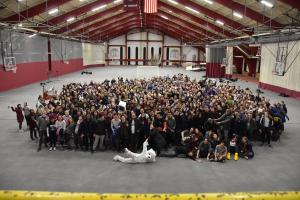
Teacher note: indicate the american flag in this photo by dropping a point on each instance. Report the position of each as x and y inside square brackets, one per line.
[150, 6]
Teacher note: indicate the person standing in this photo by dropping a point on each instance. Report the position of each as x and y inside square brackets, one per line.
[52, 134]
[32, 124]
[26, 110]
[134, 132]
[171, 126]
[99, 133]
[20, 117]
[42, 124]
[115, 125]
[60, 126]
[124, 133]
[266, 123]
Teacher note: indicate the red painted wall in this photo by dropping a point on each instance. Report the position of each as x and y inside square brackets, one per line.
[238, 62]
[59, 68]
[251, 66]
[274, 88]
[34, 72]
[215, 70]
[26, 73]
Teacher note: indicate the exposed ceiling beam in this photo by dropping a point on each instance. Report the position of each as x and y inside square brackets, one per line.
[293, 3]
[178, 20]
[177, 34]
[35, 10]
[214, 15]
[108, 21]
[112, 26]
[111, 33]
[77, 12]
[113, 29]
[126, 30]
[91, 18]
[197, 20]
[244, 10]
[168, 24]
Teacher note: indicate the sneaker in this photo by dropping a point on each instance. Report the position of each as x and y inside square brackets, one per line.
[54, 148]
[50, 149]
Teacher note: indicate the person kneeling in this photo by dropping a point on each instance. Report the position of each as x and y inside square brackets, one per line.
[220, 152]
[203, 150]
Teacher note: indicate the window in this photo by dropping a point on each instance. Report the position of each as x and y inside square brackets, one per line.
[152, 52]
[136, 55]
[128, 55]
[159, 52]
[144, 55]
[168, 55]
[121, 55]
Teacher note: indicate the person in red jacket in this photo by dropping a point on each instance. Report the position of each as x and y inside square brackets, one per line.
[20, 117]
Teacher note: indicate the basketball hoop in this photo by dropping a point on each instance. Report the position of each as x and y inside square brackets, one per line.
[10, 64]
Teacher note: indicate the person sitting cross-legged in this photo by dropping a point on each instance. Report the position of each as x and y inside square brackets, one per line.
[246, 150]
[220, 152]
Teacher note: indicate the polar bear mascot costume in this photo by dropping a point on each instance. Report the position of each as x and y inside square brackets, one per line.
[146, 156]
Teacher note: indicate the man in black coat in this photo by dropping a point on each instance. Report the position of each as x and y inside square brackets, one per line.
[99, 134]
[87, 132]
[134, 131]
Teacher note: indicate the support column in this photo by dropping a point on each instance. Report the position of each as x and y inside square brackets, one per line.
[229, 63]
[214, 59]
[147, 47]
[180, 53]
[162, 50]
[126, 48]
[107, 50]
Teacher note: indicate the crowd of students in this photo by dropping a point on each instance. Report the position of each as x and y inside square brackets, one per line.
[180, 116]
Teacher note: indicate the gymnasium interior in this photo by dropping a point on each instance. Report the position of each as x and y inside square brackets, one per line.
[176, 60]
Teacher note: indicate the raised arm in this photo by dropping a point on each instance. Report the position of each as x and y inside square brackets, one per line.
[145, 145]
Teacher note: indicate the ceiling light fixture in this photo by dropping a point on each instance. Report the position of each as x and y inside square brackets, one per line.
[208, 1]
[20, 25]
[51, 12]
[30, 36]
[220, 22]
[191, 9]
[71, 19]
[164, 17]
[238, 15]
[267, 3]
[173, 2]
[98, 8]
[117, 1]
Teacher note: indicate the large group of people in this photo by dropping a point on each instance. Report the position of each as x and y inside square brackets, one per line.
[177, 115]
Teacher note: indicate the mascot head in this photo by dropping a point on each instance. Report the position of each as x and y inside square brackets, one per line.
[150, 155]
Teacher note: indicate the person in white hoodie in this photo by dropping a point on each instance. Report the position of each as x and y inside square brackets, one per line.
[60, 126]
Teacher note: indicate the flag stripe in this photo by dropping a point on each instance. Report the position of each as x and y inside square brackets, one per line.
[150, 6]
